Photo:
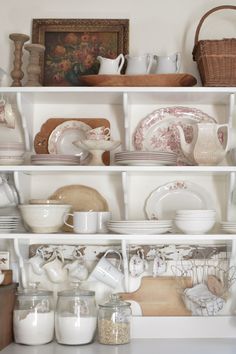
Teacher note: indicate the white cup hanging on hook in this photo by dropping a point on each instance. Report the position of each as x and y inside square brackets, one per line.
[159, 264]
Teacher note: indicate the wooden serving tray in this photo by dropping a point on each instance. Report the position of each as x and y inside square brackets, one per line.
[41, 138]
[160, 296]
[161, 80]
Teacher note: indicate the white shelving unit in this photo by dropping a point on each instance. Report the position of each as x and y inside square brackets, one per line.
[124, 107]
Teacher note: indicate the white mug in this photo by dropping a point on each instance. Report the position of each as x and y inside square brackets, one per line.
[84, 222]
[103, 218]
[139, 65]
[2, 110]
[159, 265]
[167, 64]
[77, 270]
[106, 272]
[137, 264]
[8, 195]
[37, 262]
[10, 116]
[99, 133]
[111, 66]
[54, 268]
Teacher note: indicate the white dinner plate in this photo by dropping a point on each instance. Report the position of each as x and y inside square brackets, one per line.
[163, 202]
[62, 137]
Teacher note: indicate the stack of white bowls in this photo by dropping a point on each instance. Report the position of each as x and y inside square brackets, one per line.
[12, 153]
[195, 222]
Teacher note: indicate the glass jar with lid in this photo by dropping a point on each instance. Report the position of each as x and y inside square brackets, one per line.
[76, 317]
[114, 321]
[33, 317]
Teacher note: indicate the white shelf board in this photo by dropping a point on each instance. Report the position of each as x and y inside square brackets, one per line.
[136, 346]
[164, 238]
[117, 169]
[113, 95]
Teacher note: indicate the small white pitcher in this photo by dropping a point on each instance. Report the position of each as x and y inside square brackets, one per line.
[139, 65]
[167, 64]
[111, 66]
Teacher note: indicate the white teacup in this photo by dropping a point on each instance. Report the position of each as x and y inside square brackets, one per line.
[10, 116]
[36, 263]
[106, 272]
[84, 222]
[137, 264]
[7, 193]
[99, 133]
[103, 218]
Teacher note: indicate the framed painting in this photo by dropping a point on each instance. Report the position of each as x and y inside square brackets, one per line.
[72, 47]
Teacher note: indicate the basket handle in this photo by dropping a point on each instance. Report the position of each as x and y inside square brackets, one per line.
[222, 7]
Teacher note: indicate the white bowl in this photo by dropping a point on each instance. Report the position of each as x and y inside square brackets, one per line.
[195, 227]
[44, 218]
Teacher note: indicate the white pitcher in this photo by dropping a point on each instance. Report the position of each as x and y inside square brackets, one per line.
[167, 64]
[111, 66]
[139, 65]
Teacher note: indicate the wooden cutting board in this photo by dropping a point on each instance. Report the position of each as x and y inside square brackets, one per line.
[161, 80]
[160, 296]
[41, 138]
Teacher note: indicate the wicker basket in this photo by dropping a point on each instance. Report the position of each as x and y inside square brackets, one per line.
[216, 59]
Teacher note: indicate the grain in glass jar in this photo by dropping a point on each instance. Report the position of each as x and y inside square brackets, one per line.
[114, 321]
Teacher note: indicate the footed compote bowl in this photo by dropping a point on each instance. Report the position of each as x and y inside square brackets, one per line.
[97, 148]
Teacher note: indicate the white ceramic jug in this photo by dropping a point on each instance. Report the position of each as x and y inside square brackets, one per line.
[205, 148]
[111, 66]
[167, 64]
[139, 65]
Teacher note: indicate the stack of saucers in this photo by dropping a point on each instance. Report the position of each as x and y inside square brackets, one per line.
[50, 159]
[136, 158]
[10, 223]
[12, 153]
[228, 226]
[195, 221]
[148, 227]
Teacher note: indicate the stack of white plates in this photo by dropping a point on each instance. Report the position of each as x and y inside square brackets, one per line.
[147, 158]
[50, 159]
[228, 226]
[148, 227]
[195, 221]
[10, 224]
[11, 153]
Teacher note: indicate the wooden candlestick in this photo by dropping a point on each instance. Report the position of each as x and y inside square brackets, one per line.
[17, 74]
[33, 69]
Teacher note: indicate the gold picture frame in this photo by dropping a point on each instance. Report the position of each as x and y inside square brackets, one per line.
[72, 47]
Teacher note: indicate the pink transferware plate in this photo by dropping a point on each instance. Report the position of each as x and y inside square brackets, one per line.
[158, 130]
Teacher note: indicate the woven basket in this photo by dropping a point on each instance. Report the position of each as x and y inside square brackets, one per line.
[216, 59]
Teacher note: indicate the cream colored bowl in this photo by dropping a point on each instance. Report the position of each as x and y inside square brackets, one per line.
[44, 218]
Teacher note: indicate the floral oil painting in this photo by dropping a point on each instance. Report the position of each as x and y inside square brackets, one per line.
[72, 47]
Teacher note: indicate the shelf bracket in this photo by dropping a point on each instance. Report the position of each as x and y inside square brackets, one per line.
[21, 263]
[126, 120]
[23, 121]
[231, 118]
[125, 194]
[125, 264]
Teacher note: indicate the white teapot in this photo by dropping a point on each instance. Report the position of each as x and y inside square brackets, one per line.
[110, 66]
[205, 148]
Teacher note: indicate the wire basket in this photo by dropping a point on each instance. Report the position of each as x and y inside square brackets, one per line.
[216, 59]
[210, 285]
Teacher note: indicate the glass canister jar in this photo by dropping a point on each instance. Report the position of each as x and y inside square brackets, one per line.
[33, 317]
[114, 321]
[76, 317]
